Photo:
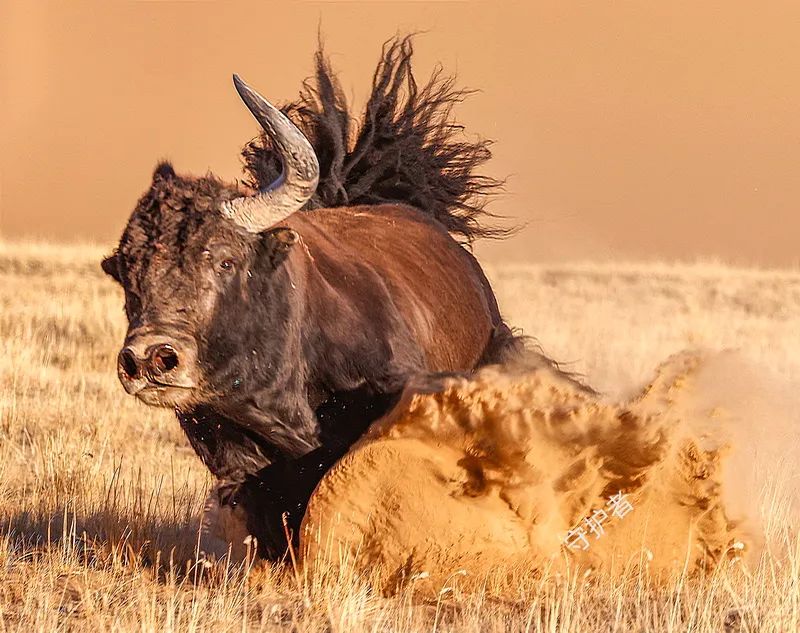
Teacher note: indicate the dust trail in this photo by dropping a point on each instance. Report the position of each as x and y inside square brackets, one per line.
[755, 415]
[504, 469]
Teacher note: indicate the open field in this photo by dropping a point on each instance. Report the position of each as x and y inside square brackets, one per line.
[99, 495]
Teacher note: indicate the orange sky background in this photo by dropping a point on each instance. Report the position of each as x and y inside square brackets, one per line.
[628, 130]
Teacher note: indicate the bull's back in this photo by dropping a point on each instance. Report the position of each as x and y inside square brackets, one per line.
[435, 285]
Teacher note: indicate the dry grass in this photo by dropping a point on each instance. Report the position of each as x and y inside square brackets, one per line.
[100, 495]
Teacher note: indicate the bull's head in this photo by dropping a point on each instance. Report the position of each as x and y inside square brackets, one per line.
[194, 255]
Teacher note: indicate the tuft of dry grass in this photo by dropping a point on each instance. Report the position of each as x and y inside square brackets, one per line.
[99, 495]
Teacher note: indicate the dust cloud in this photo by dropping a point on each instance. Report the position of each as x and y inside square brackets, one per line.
[522, 468]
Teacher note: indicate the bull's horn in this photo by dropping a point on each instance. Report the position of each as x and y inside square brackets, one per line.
[300, 168]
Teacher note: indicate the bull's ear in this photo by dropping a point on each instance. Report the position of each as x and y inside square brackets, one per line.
[110, 266]
[278, 242]
[284, 237]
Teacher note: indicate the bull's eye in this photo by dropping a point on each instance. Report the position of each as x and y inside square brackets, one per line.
[226, 265]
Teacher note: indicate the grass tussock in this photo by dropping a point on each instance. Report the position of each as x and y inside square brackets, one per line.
[100, 496]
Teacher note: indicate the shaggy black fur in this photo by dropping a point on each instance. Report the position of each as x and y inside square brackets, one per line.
[407, 148]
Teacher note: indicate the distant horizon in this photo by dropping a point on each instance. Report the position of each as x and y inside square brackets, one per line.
[714, 266]
[658, 133]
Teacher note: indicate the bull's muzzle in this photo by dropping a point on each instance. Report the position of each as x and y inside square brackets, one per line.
[157, 362]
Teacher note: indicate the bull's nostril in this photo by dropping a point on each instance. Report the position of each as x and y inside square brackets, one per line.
[127, 360]
[165, 359]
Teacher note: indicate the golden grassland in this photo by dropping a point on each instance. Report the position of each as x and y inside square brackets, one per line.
[100, 496]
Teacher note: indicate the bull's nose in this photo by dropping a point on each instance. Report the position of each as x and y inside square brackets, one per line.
[163, 359]
[157, 358]
[130, 365]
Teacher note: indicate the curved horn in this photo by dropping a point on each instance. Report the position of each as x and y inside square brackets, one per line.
[300, 168]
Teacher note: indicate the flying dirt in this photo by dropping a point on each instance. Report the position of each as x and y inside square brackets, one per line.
[519, 467]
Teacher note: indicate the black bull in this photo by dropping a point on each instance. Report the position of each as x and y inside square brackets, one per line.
[278, 343]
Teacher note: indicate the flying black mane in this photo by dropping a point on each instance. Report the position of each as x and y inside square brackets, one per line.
[406, 149]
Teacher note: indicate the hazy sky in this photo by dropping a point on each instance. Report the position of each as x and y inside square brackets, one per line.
[627, 129]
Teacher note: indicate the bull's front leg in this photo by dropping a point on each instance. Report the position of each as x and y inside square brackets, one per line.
[261, 493]
[223, 527]
[267, 504]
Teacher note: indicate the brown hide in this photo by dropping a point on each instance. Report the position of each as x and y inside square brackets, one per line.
[432, 281]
